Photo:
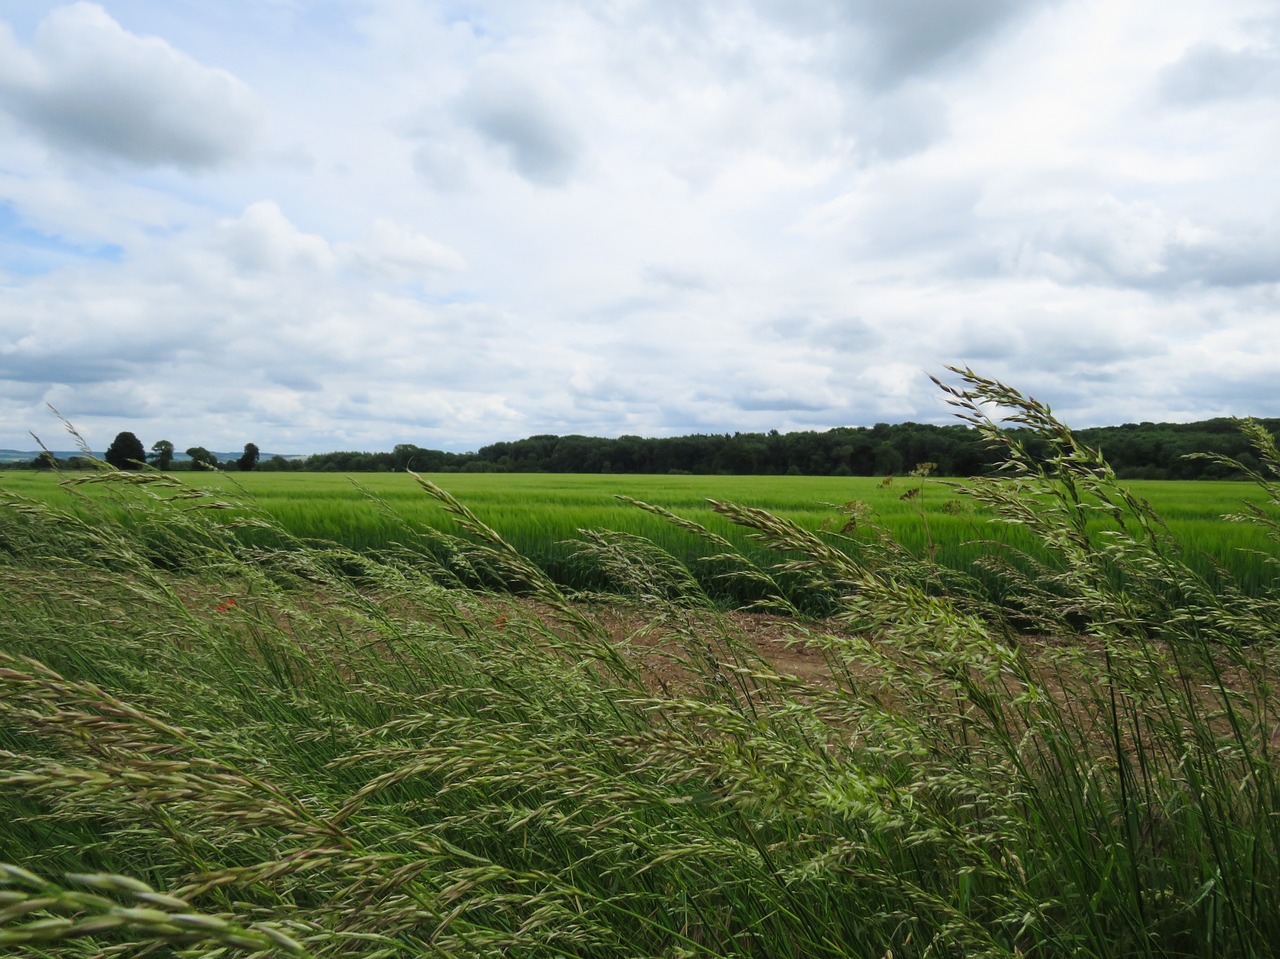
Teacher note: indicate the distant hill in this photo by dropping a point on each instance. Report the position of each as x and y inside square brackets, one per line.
[25, 456]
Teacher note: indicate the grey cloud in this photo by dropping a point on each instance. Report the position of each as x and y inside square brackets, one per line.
[919, 217]
[89, 350]
[1208, 72]
[848, 336]
[442, 159]
[884, 42]
[89, 87]
[827, 334]
[1096, 351]
[974, 341]
[21, 391]
[533, 130]
[299, 382]
[684, 420]
[680, 279]
[910, 37]
[901, 123]
[63, 368]
[1240, 261]
[779, 400]
[789, 327]
[1089, 254]
[1087, 364]
[1142, 248]
[1242, 394]
[230, 401]
[1088, 397]
[441, 165]
[96, 401]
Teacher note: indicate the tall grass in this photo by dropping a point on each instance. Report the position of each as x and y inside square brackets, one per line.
[214, 746]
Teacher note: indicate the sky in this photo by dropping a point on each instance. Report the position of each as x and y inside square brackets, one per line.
[322, 225]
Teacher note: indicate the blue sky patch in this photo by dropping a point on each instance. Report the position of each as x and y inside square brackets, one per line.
[25, 251]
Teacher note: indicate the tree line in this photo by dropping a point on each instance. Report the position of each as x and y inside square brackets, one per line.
[1136, 451]
[127, 452]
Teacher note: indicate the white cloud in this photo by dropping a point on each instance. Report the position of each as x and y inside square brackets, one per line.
[398, 252]
[1208, 72]
[90, 88]
[263, 240]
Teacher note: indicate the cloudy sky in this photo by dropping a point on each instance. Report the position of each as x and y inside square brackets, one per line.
[346, 224]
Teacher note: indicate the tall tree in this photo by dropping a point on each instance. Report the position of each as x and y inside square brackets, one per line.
[249, 459]
[162, 454]
[126, 452]
[201, 458]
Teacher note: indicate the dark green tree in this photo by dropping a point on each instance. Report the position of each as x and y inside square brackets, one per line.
[405, 454]
[201, 458]
[162, 454]
[249, 459]
[888, 460]
[126, 452]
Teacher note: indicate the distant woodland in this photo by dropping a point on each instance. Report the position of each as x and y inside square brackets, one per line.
[1136, 451]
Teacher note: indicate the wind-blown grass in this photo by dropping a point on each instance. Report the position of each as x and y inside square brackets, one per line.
[220, 748]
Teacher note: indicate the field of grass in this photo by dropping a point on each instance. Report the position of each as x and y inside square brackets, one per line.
[541, 514]
[214, 745]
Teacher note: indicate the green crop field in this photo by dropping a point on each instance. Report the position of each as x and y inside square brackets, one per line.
[542, 514]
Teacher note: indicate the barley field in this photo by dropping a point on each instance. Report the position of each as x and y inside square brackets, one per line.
[226, 734]
[542, 515]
